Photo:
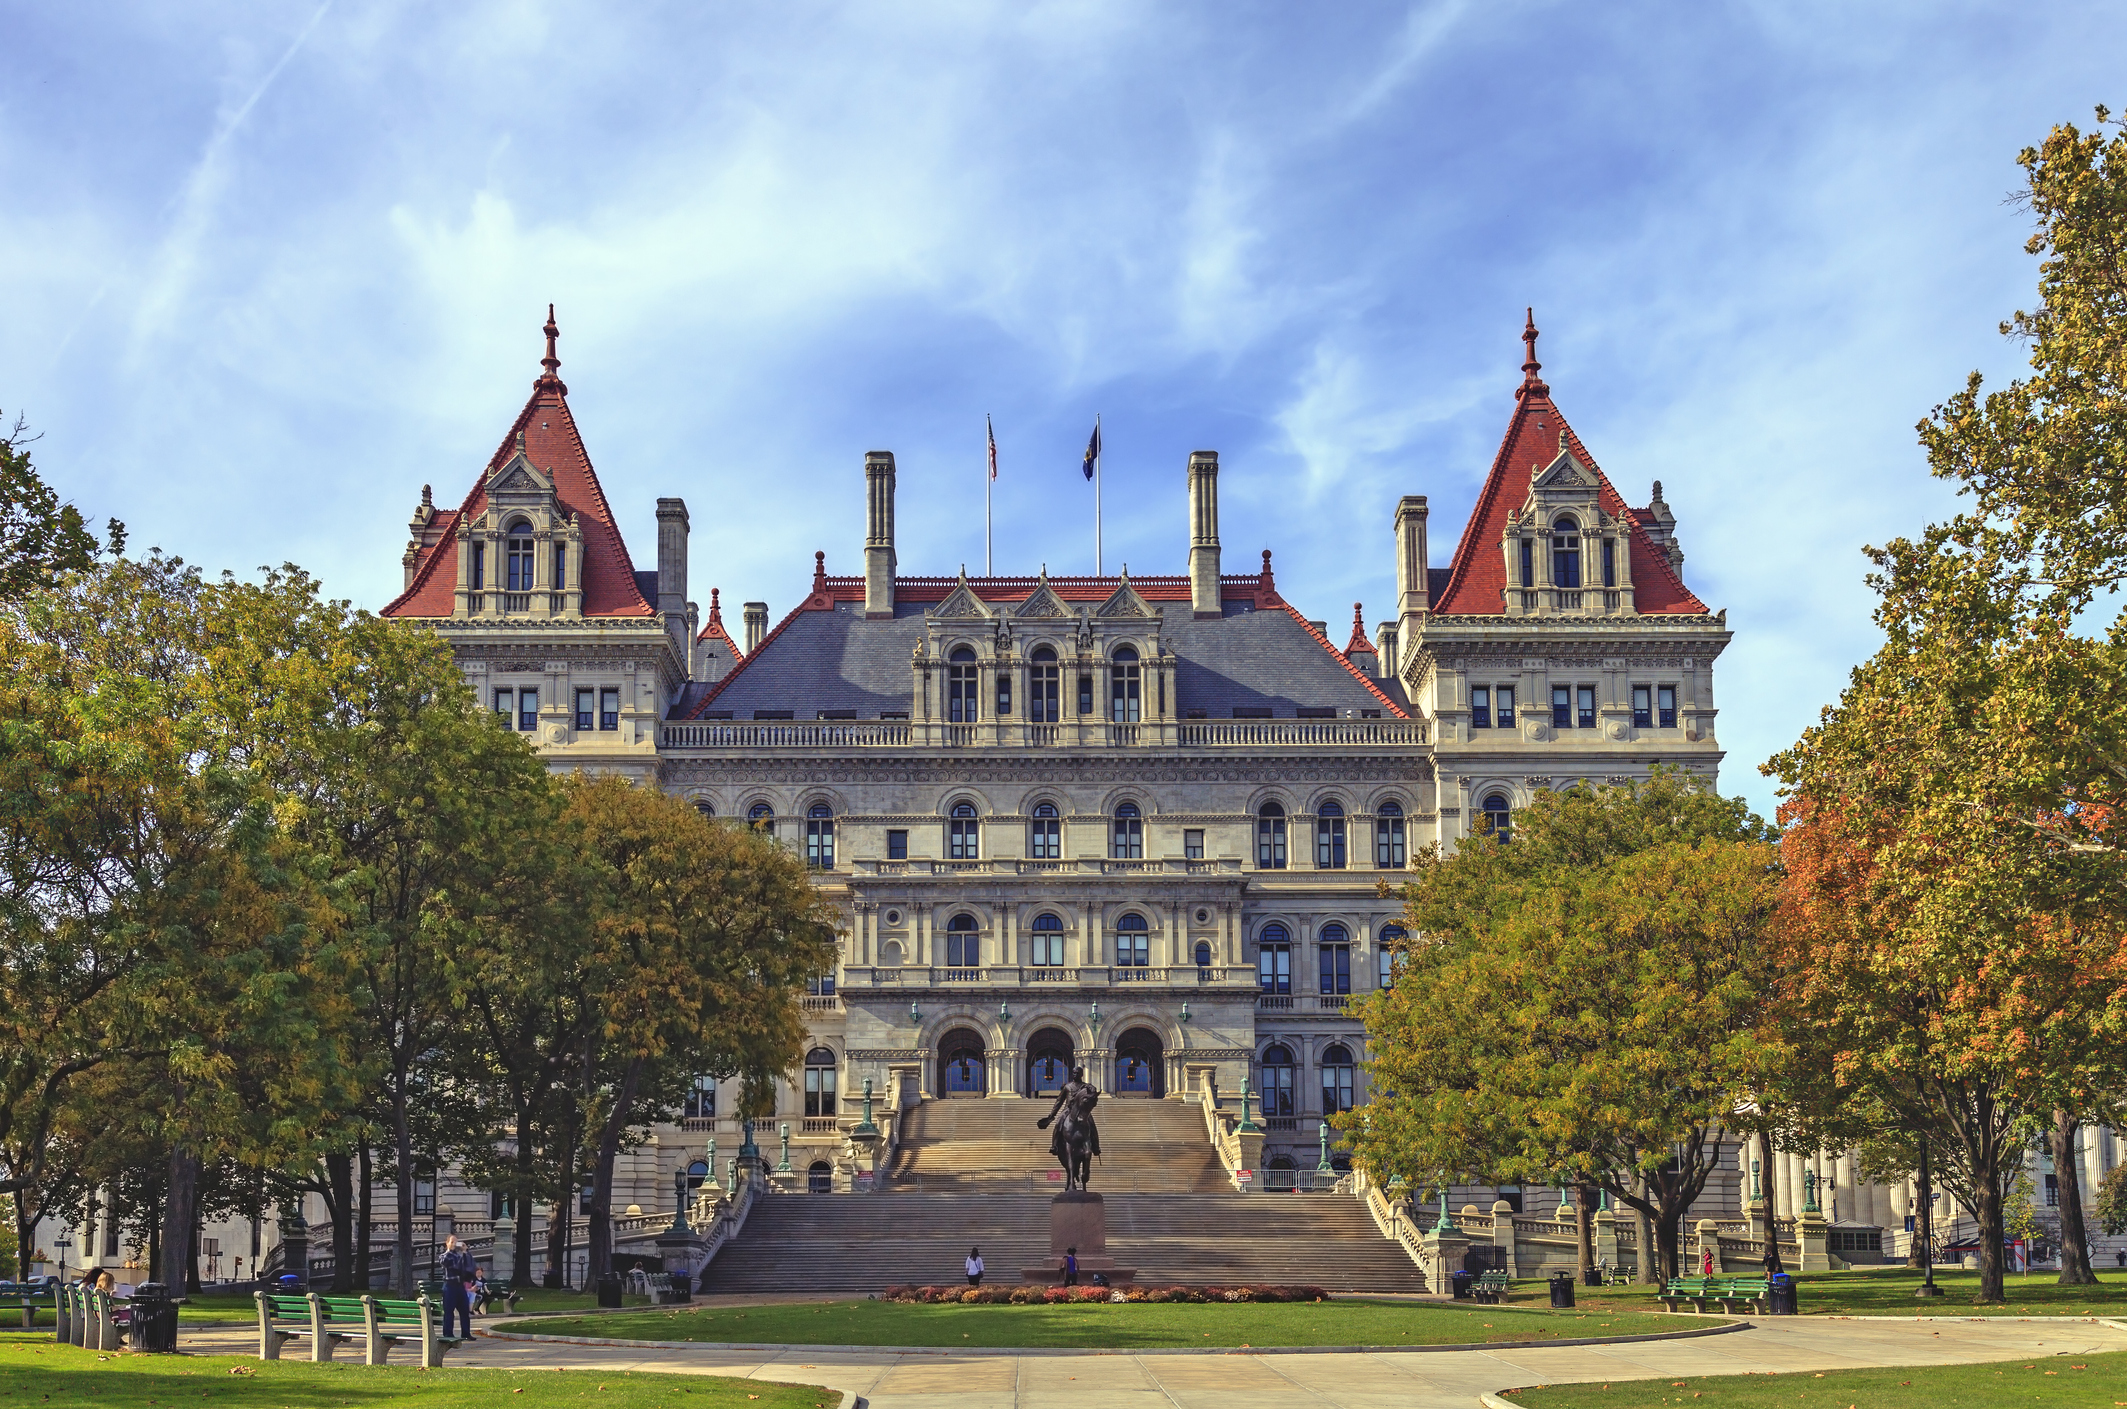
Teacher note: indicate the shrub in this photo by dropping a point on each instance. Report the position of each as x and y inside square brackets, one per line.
[971, 1296]
[1021, 1296]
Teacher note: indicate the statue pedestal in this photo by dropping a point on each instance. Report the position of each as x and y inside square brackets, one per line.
[1079, 1221]
[684, 1255]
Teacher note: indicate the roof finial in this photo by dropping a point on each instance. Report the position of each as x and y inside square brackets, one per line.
[1530, 381]
[1358, 641]
[819, 572]
[552, 361]
[716, 607]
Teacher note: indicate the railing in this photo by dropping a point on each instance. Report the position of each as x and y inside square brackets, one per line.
[1281, 1122]
[1043, 736]
[1333, 1001]
[516, 601]
[774, 734]
[822, 1002]
[699, 1124]
[1036, 868]
[1391, 1220]
[956, 736]
[960, 975]
[1273, 1002]
[1303, 732]
[906, 976]
[1134, 974]
[1123, 735]
[1569, 601]
[819, 1125]
[1051, 973]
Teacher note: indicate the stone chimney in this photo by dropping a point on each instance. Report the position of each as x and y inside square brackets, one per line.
[1204, 532]
[879, 560]
[1412, 598]
[756, 625]
[672, 572]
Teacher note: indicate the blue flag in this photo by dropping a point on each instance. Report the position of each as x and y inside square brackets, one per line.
[1092, 451]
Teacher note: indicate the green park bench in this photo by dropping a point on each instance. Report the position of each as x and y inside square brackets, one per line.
[329, 1320]
[14, 1296]
[505, 1293]
[1752, 1293]
[1492, 1288]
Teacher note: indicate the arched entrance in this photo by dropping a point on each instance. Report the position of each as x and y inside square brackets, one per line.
[960, 1064]
[820, 1178]
[1140, 1063]
[1048, 1061]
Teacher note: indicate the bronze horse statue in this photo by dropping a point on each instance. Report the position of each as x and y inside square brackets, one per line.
[1076, 1139]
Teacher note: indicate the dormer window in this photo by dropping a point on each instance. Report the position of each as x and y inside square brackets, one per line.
[1042, 687]
[1565, 553]
[520, 558]
[1528, 564]
[478, 575]
[961, 703]
[1125, 684]
[1609, 562]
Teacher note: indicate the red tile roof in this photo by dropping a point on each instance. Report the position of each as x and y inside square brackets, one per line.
[551, 442]
[1477, 578]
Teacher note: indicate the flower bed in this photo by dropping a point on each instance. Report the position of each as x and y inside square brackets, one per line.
[1060, 1296]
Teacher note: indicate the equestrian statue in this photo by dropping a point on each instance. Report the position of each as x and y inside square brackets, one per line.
[1076, 1138]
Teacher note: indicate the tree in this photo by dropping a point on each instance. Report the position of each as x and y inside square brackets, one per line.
[1584, 1003]
[40, 538]
[701, 940]
[2111, 1202]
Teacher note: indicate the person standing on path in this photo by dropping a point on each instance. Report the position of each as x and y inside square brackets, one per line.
[1070, 1267]
[974, 1267]
[460, 1271]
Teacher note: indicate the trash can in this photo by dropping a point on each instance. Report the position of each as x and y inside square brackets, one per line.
[1461, 1281]
[1780, 1296]
[1594, 1277]
[609, 1291]
[1561, 1289]
[153, 1326]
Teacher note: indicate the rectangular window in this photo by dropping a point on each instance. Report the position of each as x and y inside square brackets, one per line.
[1528, 563]
[561, 568]
[897, 846]
[1004, 694]
[585, 699]
[1642, 707]
[608, 709]
[505, 700]
[1387, 958]
[527, 710]
[1561, 706]
[1506, 706]
[1665, 697]
[1048, 949]
[2053, 1191]
[1274, 968]
[701, 1101]
[963, 839]
[1585, 716]
[585, 1195]
[1480, 707]
[1133, 949]
[1511, 1193]
[1336, 968]
[479, 576]
[1193, 845]
[1609, 562]
[425, 1193]
[1085, 696]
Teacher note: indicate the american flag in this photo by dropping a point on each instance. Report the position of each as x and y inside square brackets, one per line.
[993, 445]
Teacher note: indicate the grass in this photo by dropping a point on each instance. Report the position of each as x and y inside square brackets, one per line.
[1140, 1325]
[1888, 1291]
[60, 1374]
[2078, 1380]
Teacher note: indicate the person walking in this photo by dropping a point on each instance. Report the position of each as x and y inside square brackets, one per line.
[974, 1267]
[1070, 1268]
[460, 1271]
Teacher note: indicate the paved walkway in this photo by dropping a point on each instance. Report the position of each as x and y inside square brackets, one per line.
[902, 1380]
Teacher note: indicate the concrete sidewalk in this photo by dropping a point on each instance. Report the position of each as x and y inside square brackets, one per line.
[1371, 1380]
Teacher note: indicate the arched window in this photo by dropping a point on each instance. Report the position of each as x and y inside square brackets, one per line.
[1133, 945]
[962, 704]
[820, 1177]
[1335, 953]
[1044, 687]
[963, 833]
[1278, 1069]
[1498, 819]
[1045, 942]
[1389, 853]
[963, 945]
[1045, 833]
[820, 837]
[705, 807]
[520, 558]
[1128, 840]
[1329, 837]
[1336, 1078]
[1274, 959]
[1125, 687]
[1390, 940]
[761, 817]
[1203, 953]
[1270, 837]
[697, 1174]
[819, 1082]
[1565, 552]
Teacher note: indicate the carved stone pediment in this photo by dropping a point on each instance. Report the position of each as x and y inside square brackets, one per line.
[1565, 472]
[962, 604]
[1124, 602]
[518, 476]
[1042, 602]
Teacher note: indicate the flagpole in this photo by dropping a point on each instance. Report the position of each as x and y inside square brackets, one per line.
[1099, 568]
[989, 477]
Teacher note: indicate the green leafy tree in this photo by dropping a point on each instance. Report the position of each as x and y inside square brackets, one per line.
[2111, 1202]
[1584, 1003]
[40, 538]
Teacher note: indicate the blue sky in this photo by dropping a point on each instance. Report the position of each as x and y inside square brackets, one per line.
[268, 268]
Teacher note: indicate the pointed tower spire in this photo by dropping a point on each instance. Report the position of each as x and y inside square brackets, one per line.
[552, 361]
[1530, 381]
[1358, 641]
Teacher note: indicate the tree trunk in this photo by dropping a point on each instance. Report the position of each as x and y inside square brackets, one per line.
[26, 1222]
[1643, 1243]
[2068, 1173]
[1770, 1254]
[521, 1197]
[598, 1236]
[1989, 1216]
[1668, 1235]
[339, 1198]
[403, 1148]
[180, 1208]
[365, 1199]
[1584, 1228]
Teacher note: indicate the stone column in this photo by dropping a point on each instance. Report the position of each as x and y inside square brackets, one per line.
[1606, 1237]
[1706, 1239]
[1442, 1251]
[502, 1266]
[1503, 1236]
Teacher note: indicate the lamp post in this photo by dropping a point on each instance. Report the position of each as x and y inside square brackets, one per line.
[1809, 1190]
[1927, 1227]
[1323, 1131]
[747, 1149]
[1247, 1122]
[1443, 1225]
[783, 1165]
[711, 1161]
[864, 1126]
[679, 1209]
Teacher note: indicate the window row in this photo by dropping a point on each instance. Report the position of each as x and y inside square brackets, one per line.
[1045, 943]
[818, 1088]
[595, 709]
[1566, 556]
[963, 688]
[1331, 840]
[1573, 706]
[1281, 1079]
[1333, 958]
[520, 550]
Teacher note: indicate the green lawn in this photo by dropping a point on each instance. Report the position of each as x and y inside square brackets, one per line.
[58, 1374]
[1888, 1291]
[1139, 1325]
[2077, 1380]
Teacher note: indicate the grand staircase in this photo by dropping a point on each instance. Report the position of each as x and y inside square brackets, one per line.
[972, 1173]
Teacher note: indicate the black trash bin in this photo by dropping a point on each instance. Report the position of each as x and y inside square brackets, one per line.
[1461, 1281]
[153, 1323]
[1561, 1289]
[1780, 1296]
[609, 1291]
[1594, 1277]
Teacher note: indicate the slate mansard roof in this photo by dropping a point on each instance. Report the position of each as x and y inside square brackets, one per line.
[1260, 654]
